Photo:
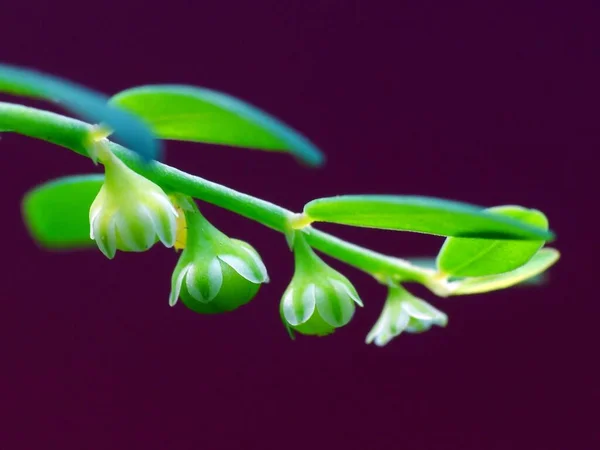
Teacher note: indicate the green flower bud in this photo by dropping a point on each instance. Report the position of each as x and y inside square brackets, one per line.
[404, 312]
[215, 273]
[130, 213]
[319, 299]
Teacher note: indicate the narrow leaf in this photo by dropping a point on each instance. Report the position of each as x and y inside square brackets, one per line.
[56, 213]
[545, 258]
[421, 215]
[188, 113]
[90, 105]
[478, 257]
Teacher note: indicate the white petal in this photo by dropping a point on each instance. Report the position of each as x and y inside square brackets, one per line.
[309, 300]
[164, 201]
[215, 278]
[176, 285]
[260, 266]
[341, 287]
[151, 229]
[93, 217]
[400, 323]
[377, 329]
[336, 311]
[441, 320]
[111, 239]
[167, 234]
[419, 309]
[106, 239]
[306, 303]
[389, 325]
[287, 305]
[383, 339]
[124, 230]
[189, 284]
[94, 227]
[242, 268]
[215, 281]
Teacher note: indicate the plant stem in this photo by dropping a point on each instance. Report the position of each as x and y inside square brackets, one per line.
[74, 135]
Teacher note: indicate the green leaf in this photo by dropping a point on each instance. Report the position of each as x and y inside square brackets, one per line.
[92, 106]
[57, 212]
[421, 215]
[478, 257]
[542, 260]
[188, 113]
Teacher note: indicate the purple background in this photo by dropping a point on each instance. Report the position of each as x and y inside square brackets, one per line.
[473, 101]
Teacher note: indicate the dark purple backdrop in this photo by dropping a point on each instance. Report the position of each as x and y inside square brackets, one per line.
[483, 103]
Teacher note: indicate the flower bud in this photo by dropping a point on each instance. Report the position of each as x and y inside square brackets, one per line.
[319, 299]
[215, 273]
[404, 312]
[130, 213]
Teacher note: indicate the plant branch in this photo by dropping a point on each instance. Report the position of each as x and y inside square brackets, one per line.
[74, 135]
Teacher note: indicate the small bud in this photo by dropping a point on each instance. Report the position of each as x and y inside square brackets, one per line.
[215, 273]
[404, 312]
[319, 299]
[130, 213]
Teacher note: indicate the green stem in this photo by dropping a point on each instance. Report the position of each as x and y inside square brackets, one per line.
[74, 135]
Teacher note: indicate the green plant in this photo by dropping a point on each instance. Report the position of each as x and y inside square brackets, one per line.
[141, 201]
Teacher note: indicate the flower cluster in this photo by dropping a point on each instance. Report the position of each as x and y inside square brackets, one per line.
[216, 273]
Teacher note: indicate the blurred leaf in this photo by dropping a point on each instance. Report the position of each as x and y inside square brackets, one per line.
[56, 213]
[421, 215]
[545, 258]
[90, 105]
[189, 113]
[478, 257]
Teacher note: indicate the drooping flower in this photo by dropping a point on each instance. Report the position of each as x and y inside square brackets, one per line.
[318, 299]
[404, 312]
[130, 213]
[214, 273]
